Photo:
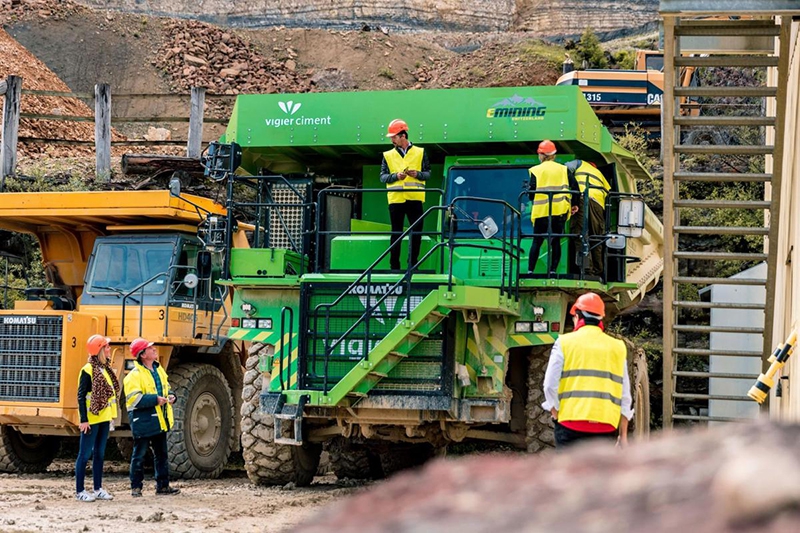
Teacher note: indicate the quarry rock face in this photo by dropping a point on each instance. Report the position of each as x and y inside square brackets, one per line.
[540, 17]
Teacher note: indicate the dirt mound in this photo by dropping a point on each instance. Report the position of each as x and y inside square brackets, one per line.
[16, 60]
[525, 63]
[201, 55]
[733, 479]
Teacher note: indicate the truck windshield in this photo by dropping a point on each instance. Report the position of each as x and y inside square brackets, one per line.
[501, 183]
[119, 267]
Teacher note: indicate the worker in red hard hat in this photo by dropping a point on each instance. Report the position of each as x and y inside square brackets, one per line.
[404, 170]
[554, 196]
[586, 386]
[149, 402]
[594, 189]
[98, 393]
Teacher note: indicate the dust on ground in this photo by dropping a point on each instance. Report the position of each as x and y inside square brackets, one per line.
[46, 502]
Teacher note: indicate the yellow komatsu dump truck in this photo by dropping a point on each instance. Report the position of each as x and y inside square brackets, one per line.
[125, 265]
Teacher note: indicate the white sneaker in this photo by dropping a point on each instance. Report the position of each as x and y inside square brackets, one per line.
[101, 494]
[85, 496]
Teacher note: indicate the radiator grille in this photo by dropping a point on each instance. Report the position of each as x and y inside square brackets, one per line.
[286, 223]
[30, 358]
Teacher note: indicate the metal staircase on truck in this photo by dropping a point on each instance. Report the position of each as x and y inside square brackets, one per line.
[720, 258]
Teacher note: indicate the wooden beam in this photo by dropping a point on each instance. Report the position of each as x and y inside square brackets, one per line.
[102, 131]
[194, 146]
[11, 109]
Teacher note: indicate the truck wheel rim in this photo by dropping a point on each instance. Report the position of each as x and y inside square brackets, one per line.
[206, 423]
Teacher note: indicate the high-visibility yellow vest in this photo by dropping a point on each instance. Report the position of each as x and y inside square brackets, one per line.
[591, 380]
[550, 177]
[139, 382]
[408, 188]
[109, 412]
[598, 185]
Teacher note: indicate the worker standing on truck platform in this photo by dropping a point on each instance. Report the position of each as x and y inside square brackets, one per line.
[149, 403]
[98, 391]
[404, 170]
[586, 386]
[549, 212]
[587, 176]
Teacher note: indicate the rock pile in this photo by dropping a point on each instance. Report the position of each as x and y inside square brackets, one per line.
[199, 55]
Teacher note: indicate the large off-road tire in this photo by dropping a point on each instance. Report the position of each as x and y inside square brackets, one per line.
[268, 463]
[25, 454]
[539, 430]
[200, 443]
[404, 456]
[640, 390]
[353, 460]
[125, 447]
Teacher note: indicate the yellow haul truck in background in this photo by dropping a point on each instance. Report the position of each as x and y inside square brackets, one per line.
[122, 264]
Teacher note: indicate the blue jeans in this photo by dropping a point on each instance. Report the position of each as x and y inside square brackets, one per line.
[94, 441]
[161, 463]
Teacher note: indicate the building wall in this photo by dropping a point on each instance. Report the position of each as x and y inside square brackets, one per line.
[787, 280]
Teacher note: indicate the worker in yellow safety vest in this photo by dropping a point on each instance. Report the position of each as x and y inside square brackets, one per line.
[98, 393]
[404, 170]
[554, 196]
[589, 177]
[586, 386]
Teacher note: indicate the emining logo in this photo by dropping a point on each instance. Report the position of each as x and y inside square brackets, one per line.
[517, 107]
[290, 108]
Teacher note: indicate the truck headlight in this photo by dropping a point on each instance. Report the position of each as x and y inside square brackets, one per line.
[522, 327]
[249, 323]
[264, 323]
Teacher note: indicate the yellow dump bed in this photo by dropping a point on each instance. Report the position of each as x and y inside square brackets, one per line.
[67, 223]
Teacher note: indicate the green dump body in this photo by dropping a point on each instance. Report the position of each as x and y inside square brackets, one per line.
[438, 345]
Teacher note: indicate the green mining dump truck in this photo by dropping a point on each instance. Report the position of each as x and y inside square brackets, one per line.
[382, 367]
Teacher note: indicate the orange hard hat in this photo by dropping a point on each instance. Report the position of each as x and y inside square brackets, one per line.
[546, 147]
[139, 345]
[96, 343]
[396, 126]
[591, 303]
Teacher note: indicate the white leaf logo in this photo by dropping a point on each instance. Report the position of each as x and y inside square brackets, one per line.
[289, 107]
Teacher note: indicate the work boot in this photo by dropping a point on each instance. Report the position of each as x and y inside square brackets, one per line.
[167, 491]
[136, 493]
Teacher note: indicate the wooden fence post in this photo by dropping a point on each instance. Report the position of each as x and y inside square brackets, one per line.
[194, 146]
[102, 130]
[12, 88]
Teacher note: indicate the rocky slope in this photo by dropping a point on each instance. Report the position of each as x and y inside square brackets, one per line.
[544, 18]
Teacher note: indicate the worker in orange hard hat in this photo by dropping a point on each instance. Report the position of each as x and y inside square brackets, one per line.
[98, 391]
[404, 170]
[149, 402]
[554, 196]
[586, 386]
[594, 189]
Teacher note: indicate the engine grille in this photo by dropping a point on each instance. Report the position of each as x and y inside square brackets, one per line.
[286, 224]
[30, 358]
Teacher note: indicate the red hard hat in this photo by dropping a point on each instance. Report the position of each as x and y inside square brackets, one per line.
[591, 303]
[96, 343]
[396, 126]
[139, 345]
[546, 147]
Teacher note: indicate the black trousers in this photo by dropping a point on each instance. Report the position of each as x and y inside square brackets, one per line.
[553, 244]
[161, 461]
[397, 214]
[567, 437]
[596, 227]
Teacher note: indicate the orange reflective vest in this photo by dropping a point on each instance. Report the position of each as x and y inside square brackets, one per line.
[597, 183]
[410, 189]
[591, 380]
[550, 177]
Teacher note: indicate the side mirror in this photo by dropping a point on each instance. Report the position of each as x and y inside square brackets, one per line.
[190, 281]
[616, 242]
[488, 227]
[174, 186]
[631, 217]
